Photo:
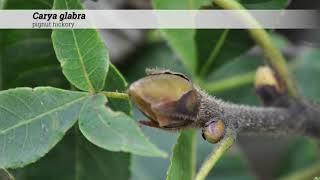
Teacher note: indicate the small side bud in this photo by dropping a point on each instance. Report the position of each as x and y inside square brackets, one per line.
[270, 90]
[266, 77]
[214, 132]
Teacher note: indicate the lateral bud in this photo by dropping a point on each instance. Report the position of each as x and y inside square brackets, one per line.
[268, 86]
[266, 77]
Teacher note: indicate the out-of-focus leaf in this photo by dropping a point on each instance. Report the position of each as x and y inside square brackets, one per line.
[27, 56]
[202, 51]
[264, 4]
[116, 82]
[74, 158]
[99, 164]
[279, 41]
[33, 121]
[306, 69]
[242, 94]
[114, 131]
[28, 60]
[183, 159]
[243, 65]
[155, 55]
[217, 47]
[233, 43]
[2, 3]
[232, 165]
[302, 153]
[183, 46]
[182, 4]
[82, 54]
[6, 175]
[181, 40]
[31, 4]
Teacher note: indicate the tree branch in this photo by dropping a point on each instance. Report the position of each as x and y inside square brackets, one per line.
[298, 116]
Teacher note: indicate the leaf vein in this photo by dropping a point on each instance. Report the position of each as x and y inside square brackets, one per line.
[30, 120]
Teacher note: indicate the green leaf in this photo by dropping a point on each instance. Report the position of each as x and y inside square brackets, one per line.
[183, 158]
[77, 158]
[217, 47]
[302, 153]
[33, 121]
[115, 82]
[28, 59]
[31, 4]
[154, 55]
[306, 69]
[182, 4]
[98, 164]
[241, 93]
[74, 158]
[84, 58]
[203, 51]
[2, 3]
[264, 4]
[114, 131]
[6, 175]
[232, 165]
[184, 46]
[27, 56]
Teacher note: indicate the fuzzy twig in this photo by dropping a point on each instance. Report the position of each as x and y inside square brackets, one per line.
[292, 116]
[288, 115]
[298, 116]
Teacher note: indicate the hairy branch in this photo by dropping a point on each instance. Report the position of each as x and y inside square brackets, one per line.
[172, 102]
[299, 116]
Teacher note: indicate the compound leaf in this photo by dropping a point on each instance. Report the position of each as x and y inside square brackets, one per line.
[33, 121]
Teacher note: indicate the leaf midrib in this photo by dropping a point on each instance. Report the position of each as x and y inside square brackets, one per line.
[30, 120]
[91, 89]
